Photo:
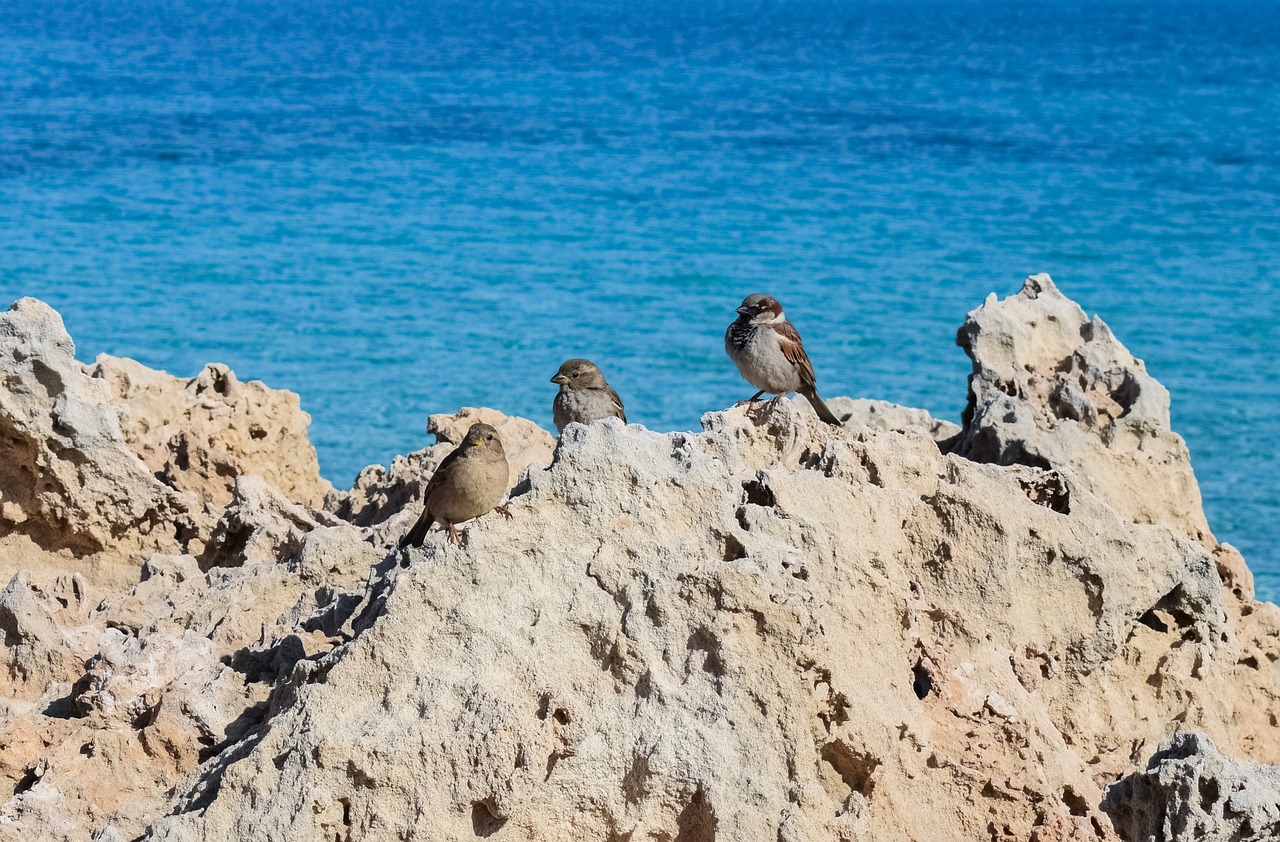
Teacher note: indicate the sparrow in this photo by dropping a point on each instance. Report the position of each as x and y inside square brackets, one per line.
[584, 395]
[470, 481]
[769, 354]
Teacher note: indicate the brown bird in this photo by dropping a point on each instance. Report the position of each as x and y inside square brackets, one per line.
[584, 395]
[469, 482]
[768, 352]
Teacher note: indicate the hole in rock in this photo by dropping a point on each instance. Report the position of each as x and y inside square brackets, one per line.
[1126, 394]
[1171, 613]
[921, 681]
[1048, 490]
[485, 820]
[28, 780]
[1209, 794]
[145, 717]
[697, 821]
[733, 549]
[1075, 802]
[757, 491]
[704, 652]
[561, 716]
[855, 769]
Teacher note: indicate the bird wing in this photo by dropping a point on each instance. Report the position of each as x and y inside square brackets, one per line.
[617, 403]
[418, 531]
[443, 471]
[793, 350]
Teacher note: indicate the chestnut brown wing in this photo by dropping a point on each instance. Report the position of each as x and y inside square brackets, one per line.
[793, 350]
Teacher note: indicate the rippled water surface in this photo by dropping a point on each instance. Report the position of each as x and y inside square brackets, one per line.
[396, 211]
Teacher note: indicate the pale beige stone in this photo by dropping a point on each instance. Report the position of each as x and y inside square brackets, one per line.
[199, 434]
[769, 628]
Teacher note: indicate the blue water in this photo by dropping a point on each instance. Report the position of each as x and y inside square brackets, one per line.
[396, 211]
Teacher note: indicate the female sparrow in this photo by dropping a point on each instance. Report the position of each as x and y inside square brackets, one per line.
[584, 395]
[769, 354]
[469, 482]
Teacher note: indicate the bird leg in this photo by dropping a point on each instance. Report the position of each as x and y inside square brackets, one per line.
[504, 510]
[456, 537]
[751, 401]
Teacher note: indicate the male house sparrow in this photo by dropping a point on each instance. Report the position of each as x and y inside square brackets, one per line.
[469, 482]
[584, 395]
[769, 354]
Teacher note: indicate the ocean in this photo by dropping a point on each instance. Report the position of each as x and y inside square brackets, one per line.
[396, 209]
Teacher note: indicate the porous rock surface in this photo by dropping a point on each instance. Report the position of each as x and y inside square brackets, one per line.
[1052, 387]
[768, 629]
[199, 434]
[1190, 791]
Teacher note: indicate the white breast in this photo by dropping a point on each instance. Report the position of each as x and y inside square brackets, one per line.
[763, 365]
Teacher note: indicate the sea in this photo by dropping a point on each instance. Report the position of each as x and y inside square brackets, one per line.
[400, 208]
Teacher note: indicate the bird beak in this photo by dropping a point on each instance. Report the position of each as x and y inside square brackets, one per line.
[742, 311]
[560, 378]
[476, 442]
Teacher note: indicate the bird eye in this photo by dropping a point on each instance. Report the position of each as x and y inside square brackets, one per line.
[575, 374]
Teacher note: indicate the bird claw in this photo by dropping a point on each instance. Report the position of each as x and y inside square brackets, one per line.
[458, 536]
[504, 510]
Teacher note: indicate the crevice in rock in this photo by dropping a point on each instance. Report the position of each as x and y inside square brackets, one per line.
[704, 653]
[1074, 802]
[732, 548]
[758, 492]
[697, 821]
[1048, 490]
[855, 770]
[29, 778]
[921, 681]
[485, 819]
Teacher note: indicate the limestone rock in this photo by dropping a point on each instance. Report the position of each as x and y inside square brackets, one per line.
[259, 526]
[771, 629]
[47, 636]
[199, 434]
[1053, 388]
[883, 415]
[1190, 791]
[69, 482]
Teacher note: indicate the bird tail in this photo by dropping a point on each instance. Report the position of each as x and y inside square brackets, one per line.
[415, 536]
[821, 408]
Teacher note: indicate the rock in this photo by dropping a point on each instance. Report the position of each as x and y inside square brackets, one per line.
[69, 483]
[260, 526]
[198, 435]
[1190, 791]
[1052, 388]
[882, 415]
[47, 636]
[726, 632]
[766, 629]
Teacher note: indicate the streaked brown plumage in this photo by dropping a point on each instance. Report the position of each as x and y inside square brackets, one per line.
[769, 355]
[469, 482]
